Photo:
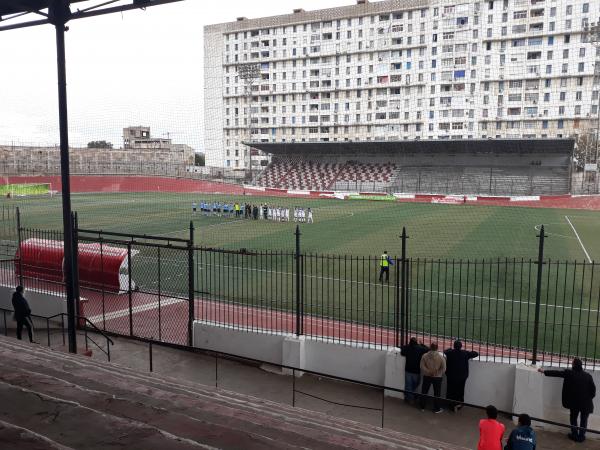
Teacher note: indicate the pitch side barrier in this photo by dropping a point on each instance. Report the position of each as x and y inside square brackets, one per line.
[506, 309]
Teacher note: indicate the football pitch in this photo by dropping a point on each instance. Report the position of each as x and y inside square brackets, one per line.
[472, 271]
[351, 227]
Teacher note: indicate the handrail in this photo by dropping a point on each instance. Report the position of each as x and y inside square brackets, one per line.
[104, 335]
[109, 341]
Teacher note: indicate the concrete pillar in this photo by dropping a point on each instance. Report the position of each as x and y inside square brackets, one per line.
[293, 354]
[529, 391]
[394, 372]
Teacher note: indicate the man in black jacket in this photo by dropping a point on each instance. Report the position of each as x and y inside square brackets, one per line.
[412, 370]
[22, 313]
[578, 392]
[457, 372]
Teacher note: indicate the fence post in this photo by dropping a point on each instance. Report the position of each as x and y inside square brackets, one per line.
[397, 308]
[75, 225]
[19, 239]
[538, 293]
[403, 293]
[299, 318]
[191, 300]
[129, 289]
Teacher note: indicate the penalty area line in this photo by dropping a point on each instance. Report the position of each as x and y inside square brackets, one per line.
[579, 239]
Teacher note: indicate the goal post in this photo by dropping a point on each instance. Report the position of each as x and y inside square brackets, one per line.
[27, 189]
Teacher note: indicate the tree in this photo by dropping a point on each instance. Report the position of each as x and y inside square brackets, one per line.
[99, 144]
[199, 159]
[585, 148]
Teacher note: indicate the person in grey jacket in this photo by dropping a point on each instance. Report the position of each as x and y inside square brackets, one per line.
[433, 366]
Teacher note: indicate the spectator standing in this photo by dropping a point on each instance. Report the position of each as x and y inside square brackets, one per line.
[457, 372]
[578, 392]
[490, 431]
[522, 437]
[22, 313]
[433, 366]
[413, 352]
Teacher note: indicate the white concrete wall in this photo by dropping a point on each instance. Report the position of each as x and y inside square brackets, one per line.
[510, 387]
[345, 361]
[491, 383]
[41, 304]
[263, 346]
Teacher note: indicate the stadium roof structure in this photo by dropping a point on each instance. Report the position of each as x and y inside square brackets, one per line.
[58, 13]
[564, 146]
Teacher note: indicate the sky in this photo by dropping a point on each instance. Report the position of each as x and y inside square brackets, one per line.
[131, 68]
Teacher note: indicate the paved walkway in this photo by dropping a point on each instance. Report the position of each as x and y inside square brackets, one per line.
[268, 383]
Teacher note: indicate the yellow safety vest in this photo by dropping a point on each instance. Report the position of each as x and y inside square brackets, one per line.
[384, 261]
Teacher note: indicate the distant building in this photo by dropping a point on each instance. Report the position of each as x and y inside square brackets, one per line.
[400, 70]
[140, 137]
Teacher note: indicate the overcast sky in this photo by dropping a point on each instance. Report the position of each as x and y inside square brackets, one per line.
[134, 68]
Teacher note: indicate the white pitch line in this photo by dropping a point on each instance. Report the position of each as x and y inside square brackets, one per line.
[135, 309]
[579, 239]
[445, 293]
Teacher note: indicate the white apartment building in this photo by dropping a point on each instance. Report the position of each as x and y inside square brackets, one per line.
[401, 69]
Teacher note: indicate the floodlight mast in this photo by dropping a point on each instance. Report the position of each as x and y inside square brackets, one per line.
[59, 13]
[249, 73]
[592, 33]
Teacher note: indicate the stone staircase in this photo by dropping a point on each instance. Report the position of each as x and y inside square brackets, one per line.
[53, 400]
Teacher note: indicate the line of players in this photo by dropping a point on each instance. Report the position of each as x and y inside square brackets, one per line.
[254, 212]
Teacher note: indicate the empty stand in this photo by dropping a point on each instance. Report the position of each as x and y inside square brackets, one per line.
[364, 176]
[484, 172]
[76, 402]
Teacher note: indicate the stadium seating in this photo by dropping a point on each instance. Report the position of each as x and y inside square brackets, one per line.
[317, 175]
[53, 400]
[364, 176]
[427, 173]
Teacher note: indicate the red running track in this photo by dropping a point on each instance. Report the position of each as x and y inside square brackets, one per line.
[169, 323]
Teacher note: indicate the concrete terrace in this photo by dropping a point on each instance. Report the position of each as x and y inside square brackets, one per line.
[53, 400]
[125, 390]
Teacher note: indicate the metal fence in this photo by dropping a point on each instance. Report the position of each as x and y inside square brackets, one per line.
[506, 309]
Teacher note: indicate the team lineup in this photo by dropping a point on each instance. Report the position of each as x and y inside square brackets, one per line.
[253, 212]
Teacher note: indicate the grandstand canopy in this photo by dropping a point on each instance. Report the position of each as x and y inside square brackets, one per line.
[496, 146]
[24, 6]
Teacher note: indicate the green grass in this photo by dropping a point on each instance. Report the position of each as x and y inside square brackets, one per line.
[470, 272]
[341, 227]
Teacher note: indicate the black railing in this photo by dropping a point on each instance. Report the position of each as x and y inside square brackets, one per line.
[56, 324]
[505, 308]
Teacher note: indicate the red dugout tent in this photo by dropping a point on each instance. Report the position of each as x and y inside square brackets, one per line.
[100, 266]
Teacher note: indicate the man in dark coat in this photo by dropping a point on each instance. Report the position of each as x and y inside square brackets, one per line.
[578, 392]
[412, 370]
[457, 372]
[22, 313]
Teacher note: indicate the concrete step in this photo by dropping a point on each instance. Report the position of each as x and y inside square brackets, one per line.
[191, 412]
[27, 439]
